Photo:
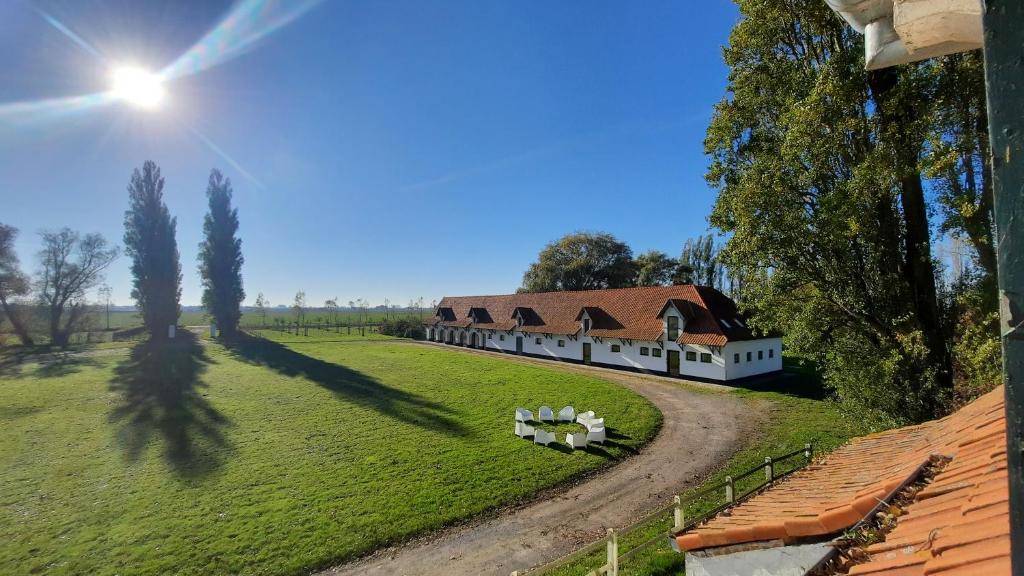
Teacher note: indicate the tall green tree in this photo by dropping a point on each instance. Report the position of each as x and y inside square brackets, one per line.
[655, 268]
[581, 261]
[13, 284]
[817, 163]
[220, 257]
[149, 239]
[698, 262]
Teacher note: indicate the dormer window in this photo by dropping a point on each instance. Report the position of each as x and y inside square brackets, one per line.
[673, 327]
[519, 320]
[586, 325]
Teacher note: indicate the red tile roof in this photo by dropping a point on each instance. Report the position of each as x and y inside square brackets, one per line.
[958, 524]
[630, 313]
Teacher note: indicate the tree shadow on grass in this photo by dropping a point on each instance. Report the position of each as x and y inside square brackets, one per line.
[800, 378]
[161, 394]
[50, 363]
[347, 384]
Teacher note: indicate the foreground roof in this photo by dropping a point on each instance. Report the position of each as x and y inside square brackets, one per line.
[957, 524]
[631, 313]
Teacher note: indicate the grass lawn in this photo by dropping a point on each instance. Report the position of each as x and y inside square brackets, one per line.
[270, 457]
[798, 414]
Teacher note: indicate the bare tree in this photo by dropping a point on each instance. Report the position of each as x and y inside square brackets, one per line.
[299, 306]
[70, 264]
[13, 284]
[104, 294]
[261, 308]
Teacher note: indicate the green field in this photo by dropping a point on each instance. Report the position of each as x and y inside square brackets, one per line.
[124, 319]
[271, 456]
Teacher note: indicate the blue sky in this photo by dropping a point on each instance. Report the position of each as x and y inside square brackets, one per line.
[390, 149]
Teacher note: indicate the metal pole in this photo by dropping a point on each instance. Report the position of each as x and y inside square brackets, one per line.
[1004, 86]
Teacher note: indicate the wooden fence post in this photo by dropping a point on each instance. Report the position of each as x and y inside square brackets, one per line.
[678, 516]
[769, 469]
[613, 553]
[730, 490]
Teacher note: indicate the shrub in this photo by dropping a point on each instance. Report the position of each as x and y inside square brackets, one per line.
[402, 327]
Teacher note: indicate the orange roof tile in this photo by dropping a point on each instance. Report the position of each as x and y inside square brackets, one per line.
[958, 524]
[630, 313]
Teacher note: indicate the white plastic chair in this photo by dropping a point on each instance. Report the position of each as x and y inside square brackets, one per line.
[567, 414]
[523, 415]
[594, 423]
[544, 437]
[545, 414]
[597, 434]
[523, 430]
[578, 440]
[584, 416]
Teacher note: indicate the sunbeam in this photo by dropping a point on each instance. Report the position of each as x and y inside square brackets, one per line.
[224, 156]
[78, 40]
[51, 108]
[246, 24]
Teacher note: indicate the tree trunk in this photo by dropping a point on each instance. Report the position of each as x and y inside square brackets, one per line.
[897, 119]
[19, 327]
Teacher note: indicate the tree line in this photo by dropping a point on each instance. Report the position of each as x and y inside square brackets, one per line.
[832, 182]
[596, 260]
[71, 263]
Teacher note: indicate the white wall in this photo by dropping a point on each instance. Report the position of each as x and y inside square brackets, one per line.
[548, 346]
[628, 354]
[722, 366]
[714, 370]
[755, 366]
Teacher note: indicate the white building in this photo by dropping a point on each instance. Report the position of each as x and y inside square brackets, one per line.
[688, 331]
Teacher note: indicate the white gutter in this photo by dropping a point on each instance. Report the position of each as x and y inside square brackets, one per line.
[902, 31]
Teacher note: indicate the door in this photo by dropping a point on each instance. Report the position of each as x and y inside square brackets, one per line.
[586, 353]
[673, 362]
[519, 344]
[473, 343]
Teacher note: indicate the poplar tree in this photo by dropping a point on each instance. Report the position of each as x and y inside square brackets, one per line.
[220, 257]
[149, 239]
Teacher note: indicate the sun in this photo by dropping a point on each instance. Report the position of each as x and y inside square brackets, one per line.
[138, 87]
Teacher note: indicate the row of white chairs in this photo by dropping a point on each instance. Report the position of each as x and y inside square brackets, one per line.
[594, 425]
[545, 414]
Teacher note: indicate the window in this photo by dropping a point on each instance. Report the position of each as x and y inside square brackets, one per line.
[501, 337]
[645, 351]
[705, 357]
[519, 320]
[738, 322]
[691, 356]
[656, 352]
[586, 325]
[673, 327]
[736, 358]
[725, 324]
[771, 352]
[748, 356]
[561, 343]
[760, 354]
[537, 341]
[616, 348]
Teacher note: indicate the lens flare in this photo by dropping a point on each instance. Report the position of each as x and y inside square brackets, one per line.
[248, 22]
[137, 86]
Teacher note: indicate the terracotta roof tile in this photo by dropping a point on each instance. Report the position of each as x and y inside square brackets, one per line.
[959, 524]
[629, 313]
